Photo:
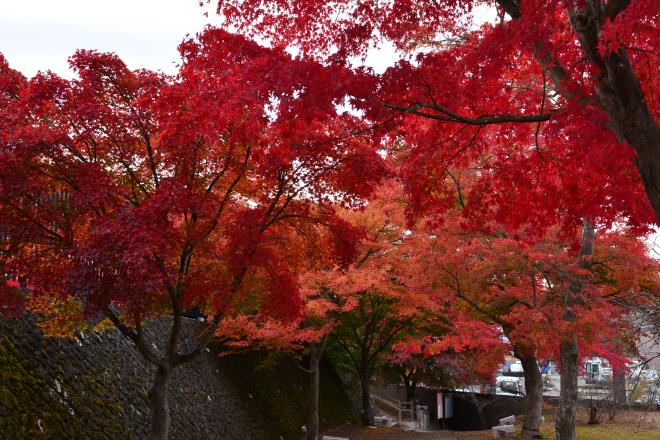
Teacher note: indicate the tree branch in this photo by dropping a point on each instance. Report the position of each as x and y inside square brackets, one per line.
[136, 337]
[444, 114]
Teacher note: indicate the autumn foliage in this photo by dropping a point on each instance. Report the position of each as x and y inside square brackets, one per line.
[427, 217]
[521, 287]
[115, 180]
[533, 99]
[137, 194]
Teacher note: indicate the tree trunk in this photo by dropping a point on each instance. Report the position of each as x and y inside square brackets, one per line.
[412, 398]
[621, 96]
[315, 357]
[568, 395]
[410, 384]
[593, 413]
[619, 92]
[313, 403]
[622, 99]
[410, 390]
[479, 405]
[367, 414]
[160, 411]
[534, 396]
[619, 387]
[568, 347]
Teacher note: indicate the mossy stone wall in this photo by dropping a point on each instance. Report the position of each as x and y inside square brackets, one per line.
[95, 387]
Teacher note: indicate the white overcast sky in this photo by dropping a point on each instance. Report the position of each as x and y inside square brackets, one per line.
[41, 34]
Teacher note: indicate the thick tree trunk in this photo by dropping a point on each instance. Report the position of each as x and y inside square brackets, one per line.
[160, 411]
[367, 414]
[568, 395]
[622, 99]
[534, 396]
[620, 94]
[619, 387]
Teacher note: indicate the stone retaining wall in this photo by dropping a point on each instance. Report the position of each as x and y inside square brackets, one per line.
[95, 387]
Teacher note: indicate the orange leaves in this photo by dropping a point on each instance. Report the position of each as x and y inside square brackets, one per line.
[623, 264]
[256, 332]
[60, 316]
[468, 334]
[520, 287]
[365, 283]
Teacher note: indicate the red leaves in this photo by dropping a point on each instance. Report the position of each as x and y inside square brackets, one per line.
[283, 301]
[12, 299]
[212, 189]
[609, 39]
[96, 188]
[343, 28]
[11, 81]
[516, 174]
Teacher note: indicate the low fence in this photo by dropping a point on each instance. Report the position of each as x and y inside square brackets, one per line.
[401, 409]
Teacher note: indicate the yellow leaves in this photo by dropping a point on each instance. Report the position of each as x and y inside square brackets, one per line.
[59, 317]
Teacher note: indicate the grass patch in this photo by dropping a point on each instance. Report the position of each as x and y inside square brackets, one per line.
[614, 432]
[627, 425]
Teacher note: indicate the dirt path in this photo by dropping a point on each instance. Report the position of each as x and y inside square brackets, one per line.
[354, 432]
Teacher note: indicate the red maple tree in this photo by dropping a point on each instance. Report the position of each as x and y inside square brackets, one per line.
[345, 305]
[527, 289]
[140, 195]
